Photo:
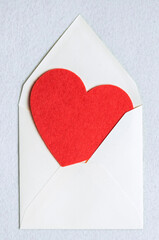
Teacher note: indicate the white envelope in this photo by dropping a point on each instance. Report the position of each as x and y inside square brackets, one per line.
[107, 191]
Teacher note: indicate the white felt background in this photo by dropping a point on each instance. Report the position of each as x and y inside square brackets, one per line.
[28, 29]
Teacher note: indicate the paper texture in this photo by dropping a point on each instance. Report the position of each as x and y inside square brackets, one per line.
[106, 192]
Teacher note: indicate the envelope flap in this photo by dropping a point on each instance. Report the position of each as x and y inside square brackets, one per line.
[81, 51]
[120, 155]
[36, 165]
[81, 197]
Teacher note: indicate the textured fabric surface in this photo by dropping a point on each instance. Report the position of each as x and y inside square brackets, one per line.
[71, 121]
[27, 31]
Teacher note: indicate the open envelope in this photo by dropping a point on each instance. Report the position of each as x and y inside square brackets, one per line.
[107, 191]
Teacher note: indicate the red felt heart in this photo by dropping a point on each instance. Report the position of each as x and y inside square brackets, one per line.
[71, 121]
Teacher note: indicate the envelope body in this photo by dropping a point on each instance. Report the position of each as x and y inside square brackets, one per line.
[107, 191]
